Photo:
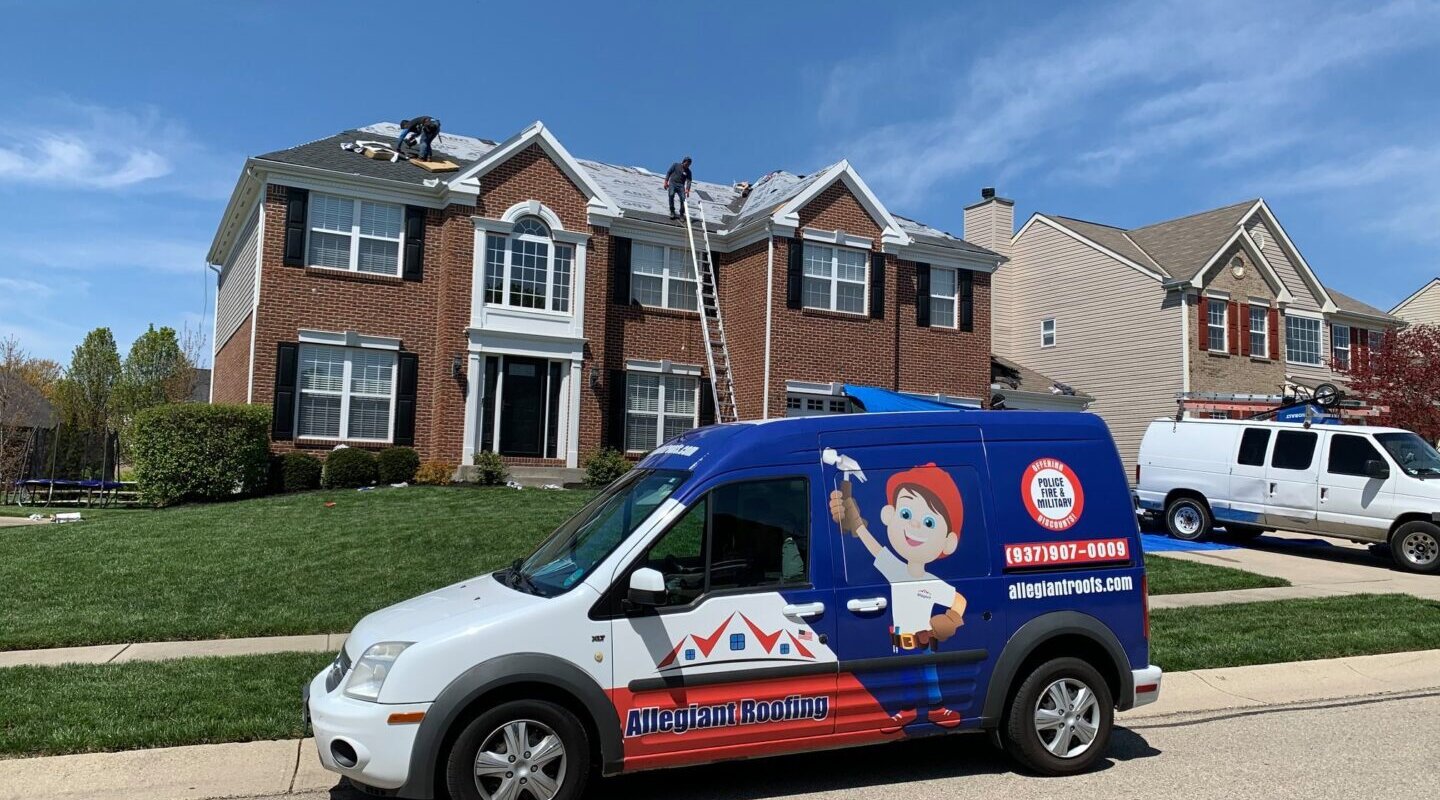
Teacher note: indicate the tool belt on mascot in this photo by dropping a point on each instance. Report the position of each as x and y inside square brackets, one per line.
[923, 640]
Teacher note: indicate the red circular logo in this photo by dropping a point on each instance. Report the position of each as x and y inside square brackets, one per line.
[1052, 494]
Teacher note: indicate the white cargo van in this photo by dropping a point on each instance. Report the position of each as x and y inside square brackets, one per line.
[1367, 484]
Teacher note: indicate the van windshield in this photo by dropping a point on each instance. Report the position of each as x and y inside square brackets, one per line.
[589, 537]
[1413, 454]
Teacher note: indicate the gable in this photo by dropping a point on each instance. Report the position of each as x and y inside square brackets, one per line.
[1421, 307]
[1304, 294]
[837, 209]
[531, 175]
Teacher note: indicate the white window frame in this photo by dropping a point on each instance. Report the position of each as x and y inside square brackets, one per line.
[1319, 336]
[356, 203]
[660, 414]
[804, 404]
[346, 392]
[953, 299]
[1264, 351]
[834, 280]
[1224, 303]
[1348, 349]
[1053, 332]
[667, 276]
[506, 243]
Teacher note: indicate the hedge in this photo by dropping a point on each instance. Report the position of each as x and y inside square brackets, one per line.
[397, 464]
[191, 451]
[299, 472]
[348, 468]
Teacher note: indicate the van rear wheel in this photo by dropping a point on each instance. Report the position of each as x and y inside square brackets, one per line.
[1188, 518]
[1059, 721]
[521, 750]
[1415, 546]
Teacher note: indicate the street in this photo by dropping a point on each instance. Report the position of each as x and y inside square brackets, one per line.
[1366, 747]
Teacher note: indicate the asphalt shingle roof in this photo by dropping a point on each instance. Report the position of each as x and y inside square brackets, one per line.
[1347, 303]
[1114, 239]
[1183, 245]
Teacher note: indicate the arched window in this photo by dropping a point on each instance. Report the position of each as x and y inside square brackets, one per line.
[528, 268]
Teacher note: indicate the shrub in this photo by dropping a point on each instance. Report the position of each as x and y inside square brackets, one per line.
[490, 469]
[192, 451]
[434, 473]
[397, 464]
[299, 472]
[604, 466]
[347, 468]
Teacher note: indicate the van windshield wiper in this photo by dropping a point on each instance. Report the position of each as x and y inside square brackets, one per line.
[519, 580]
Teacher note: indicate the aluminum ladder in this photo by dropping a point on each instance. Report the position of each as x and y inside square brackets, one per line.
[712, 325]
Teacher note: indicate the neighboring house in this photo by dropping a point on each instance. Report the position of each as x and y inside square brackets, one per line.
[1217, 310]
[542, 306]
[1422, 307]
[1016, 387]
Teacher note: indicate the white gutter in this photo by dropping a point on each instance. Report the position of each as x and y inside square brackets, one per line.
[769, 312]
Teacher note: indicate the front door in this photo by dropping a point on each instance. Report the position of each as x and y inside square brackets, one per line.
[1291, 480]
[1352, 502]
[522, 407]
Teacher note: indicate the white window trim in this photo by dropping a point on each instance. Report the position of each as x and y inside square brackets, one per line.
[834, 280]
[1264, 329]
[1224, 302]
[660, 414]
[554, 242]
[1054, 332]
[1349, 347]
[1321, 348]
[354, 234]
[953, 298]
[345, 394]
[348, 339]
[666, 277]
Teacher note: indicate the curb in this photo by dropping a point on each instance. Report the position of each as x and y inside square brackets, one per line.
[163, 651]
[199, 772]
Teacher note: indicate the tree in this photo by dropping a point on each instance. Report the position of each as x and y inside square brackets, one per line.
[26, 384]
[1401, 380]
[156, 371]
[86, 395]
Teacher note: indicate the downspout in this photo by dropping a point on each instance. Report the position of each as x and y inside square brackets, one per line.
[769, 313]
[1184, 341]
[214, 324]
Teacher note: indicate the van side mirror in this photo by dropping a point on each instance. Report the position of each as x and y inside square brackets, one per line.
[647, 588]
[1376, 468]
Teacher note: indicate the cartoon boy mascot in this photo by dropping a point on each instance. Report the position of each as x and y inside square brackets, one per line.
[922, 524]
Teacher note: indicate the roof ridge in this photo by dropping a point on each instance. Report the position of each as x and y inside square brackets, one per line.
[1089, 222]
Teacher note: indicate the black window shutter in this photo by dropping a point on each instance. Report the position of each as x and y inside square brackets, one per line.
[297, 205]
[707, 402]
[615, 415]
[922, 295]
[414, 267]
[967, 300]
[877, 285]
[287, 372]
[794, 273]
[620, 269]
[405, 393]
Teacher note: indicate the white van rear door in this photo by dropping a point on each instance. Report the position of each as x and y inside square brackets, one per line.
[1291, 479]
[1249, 492]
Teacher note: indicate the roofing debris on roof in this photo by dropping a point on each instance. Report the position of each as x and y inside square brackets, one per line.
[466, 148]
[1020, 378]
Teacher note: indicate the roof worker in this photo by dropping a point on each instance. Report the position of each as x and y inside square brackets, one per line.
[677, 183]
[420, 131]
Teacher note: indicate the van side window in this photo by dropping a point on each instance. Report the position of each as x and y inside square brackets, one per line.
[1252, 447]
[1348, 454]
[1294, 450]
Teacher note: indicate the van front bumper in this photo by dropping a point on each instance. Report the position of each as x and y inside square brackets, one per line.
[1147, 685]
[359, 733]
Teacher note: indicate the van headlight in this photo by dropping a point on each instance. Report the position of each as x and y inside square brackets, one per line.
[370, 672]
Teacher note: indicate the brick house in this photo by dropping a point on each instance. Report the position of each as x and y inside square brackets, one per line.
[1216, 310]
[542, 306]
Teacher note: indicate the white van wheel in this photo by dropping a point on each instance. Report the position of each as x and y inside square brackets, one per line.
[1416, 546]
[1188, 519]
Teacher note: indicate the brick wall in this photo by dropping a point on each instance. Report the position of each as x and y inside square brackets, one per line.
[1255, 373]
[231, 371]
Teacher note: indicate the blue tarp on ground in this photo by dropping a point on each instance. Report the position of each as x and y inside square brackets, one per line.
[872, 398]
[1160, 543]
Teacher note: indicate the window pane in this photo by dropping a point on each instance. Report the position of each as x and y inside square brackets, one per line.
[322, 368]
[679, 555]
[531, 226]
[528, 273]
[680, 395]
[760, 534]
[680, 265]
[1293, 450]
[369, 418]
[560, 296]
[852, 263]
[1302, 340]
[329, 250]
[647, 259]
[381, 219]
[378, 256]
[1252, 446]
[319, 415]
[331, 213]
[647, 289]
[942, 312]
[642, 392]
[1258, 319]
[942, 282]
[817, 260]
[1340, 345]
[495, 269]
[674, 426]
[816, 292]
[1348, 454]
[683, 295]
[371, 372]
[640, 432]
[1215, 317]
[850, 296]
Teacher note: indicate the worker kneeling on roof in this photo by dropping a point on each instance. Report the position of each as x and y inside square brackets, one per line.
[418, 132]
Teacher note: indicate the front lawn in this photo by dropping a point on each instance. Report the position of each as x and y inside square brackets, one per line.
[1173, 576]
[271, 566]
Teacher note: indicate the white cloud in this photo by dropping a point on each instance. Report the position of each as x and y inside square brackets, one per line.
[22, 290]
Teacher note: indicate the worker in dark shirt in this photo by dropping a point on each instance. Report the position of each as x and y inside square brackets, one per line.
[420, 130]
[677, 183]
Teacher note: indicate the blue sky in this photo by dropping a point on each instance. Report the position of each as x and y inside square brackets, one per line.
[122, 130]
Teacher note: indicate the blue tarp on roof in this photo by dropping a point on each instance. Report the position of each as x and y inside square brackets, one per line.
[872, 398]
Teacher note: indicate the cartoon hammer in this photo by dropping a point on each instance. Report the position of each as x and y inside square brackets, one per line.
[848, 467]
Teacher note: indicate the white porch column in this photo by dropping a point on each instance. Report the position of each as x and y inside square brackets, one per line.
[474, 391]
[574, 386]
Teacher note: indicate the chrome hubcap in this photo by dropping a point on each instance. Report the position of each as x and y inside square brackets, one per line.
[1067, 718]
[1187, 520]
[1420, 548]
[520, 759]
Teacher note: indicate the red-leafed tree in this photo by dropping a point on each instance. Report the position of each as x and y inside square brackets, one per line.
[1402, 379]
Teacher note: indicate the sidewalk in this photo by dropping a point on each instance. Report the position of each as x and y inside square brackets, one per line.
[161, 651]
[283, 767]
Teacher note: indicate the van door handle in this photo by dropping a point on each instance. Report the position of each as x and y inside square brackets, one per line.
[866, 605]
[1324, 493]
[1272, 488]
[803, 610]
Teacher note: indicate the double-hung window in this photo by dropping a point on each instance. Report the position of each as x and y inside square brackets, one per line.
[1215, 311]
[1340, 346]
[1047, 332]
[663, 277]
[658, 408]
[355, 235]
[835, 278]
[944, 297]
[346, 393]
[1302, 340]
[1259, 330]
[528, 268]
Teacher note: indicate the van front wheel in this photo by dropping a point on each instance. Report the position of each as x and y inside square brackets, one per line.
[521, 750]
[1188, 519]
[1059, 720]
[1416, 546]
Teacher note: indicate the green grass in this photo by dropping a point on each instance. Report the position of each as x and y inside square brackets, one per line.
[1173, 576]
[272, 566]
[101, 707]
[1292, 630]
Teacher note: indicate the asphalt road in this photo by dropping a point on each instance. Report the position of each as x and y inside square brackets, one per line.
[1378, 747]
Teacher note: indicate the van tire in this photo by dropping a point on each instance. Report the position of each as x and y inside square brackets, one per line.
[1415, 547]
[1188, 519]
[489, 730]
[1022, 734]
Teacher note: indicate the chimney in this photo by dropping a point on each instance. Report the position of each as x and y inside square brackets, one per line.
[991, 222]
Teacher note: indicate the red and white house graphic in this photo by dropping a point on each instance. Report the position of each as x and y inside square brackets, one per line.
[696, 647]
[1052, 493]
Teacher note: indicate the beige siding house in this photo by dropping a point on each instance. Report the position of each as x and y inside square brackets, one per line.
[1217, 312]
[1422, 307]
